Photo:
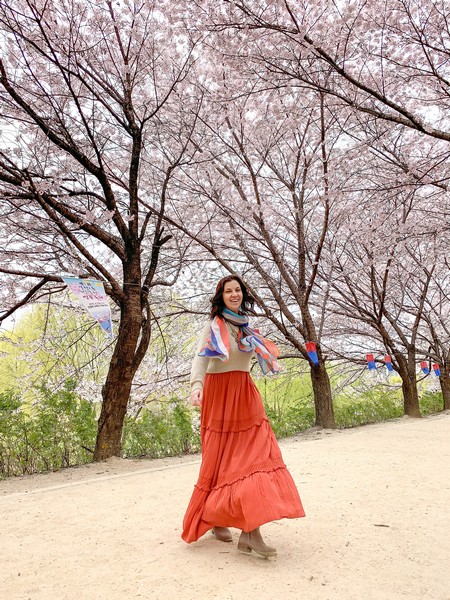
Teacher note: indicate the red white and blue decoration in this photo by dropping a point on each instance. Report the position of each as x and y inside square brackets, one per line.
[312, 352]
[371, 362]
[424, 367]
[437, 369]
[388, 363]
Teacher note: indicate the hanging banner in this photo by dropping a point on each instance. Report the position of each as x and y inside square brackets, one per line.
[91, 295]
[371, 362]
[437, 369]
[388, 363]
[424, 367]
[312, 352]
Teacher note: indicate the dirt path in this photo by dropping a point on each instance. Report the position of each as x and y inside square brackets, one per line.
[377, 500]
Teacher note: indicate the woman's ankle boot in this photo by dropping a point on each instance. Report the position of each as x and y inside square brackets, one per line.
[252, 540]
[223, 534]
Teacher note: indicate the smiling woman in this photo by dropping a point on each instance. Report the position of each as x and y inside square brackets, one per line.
[232, 295]
[243, 481]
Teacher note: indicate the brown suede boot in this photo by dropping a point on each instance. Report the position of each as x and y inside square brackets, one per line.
[223, 534]
[252, 540]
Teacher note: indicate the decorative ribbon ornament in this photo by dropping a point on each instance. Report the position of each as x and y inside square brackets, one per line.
[388, 363]
[312, 352]
[371, 362]
[424, 367]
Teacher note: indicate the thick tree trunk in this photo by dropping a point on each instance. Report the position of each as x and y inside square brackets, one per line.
[444, 380]
[323, 400]
[117, 387]
[407, 372]
[410, 397]
[409, 389]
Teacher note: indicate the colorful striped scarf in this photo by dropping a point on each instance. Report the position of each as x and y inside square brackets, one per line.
[249, 340]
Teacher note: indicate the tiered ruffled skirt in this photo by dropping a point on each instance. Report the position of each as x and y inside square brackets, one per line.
[243, 481]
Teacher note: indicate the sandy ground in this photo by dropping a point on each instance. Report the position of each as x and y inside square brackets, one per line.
[377, 500]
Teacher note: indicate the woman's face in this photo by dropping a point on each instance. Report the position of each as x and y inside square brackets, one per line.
[232, 295]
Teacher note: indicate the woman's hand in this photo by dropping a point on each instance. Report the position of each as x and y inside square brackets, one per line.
[196, 398]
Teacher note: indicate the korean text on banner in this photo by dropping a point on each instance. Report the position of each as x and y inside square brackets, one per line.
[91, 295]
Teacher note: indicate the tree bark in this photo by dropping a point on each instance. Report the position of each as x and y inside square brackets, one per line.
[122, 368]
[407, 373]
[444, 380]
[410, 397]
[322, 396]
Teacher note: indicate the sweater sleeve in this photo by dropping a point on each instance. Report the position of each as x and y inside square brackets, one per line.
[200, 363]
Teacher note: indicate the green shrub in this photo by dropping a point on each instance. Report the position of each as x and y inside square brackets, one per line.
[14, 427]
[288, 403]
[371, 405]
[165, 430]
[290, 407]
[57, 431]
[431, 402]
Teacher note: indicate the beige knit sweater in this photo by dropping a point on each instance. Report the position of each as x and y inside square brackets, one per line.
[238, 361]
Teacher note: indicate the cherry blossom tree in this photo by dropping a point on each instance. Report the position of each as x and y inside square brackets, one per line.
[435, 333]
[406, 169]
[389, 61]
[382, 282]
[385, 66]
[92, 134]
[302, 145]
[266, 192]
[387, 247]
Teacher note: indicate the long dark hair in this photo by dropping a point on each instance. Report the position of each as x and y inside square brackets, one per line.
[217, 300]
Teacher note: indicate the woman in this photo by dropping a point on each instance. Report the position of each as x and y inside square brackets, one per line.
[243, 481]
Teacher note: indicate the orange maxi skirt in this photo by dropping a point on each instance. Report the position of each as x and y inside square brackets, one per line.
[243, 481]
